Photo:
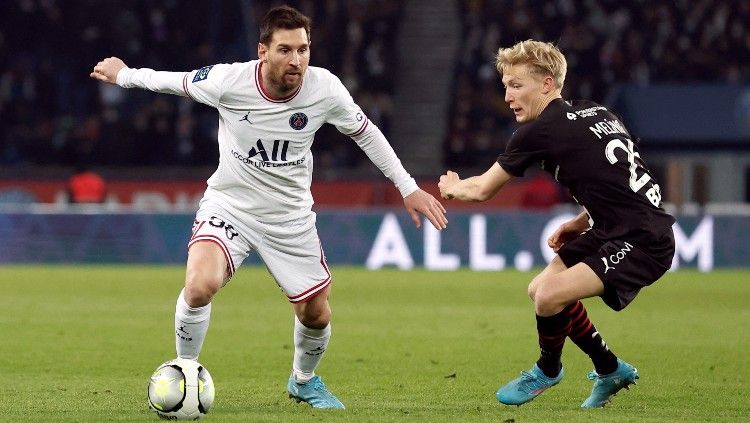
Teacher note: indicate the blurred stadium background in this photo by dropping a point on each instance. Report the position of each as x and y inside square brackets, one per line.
[79, 341]
[678, 71]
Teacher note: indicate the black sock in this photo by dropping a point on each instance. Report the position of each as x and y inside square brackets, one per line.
[584, 334]
[552, 332]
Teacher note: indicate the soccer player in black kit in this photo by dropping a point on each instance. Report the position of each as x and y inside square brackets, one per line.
[620, 243]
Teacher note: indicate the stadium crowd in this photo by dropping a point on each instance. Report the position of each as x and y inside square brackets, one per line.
[606, 43]
[52, 113]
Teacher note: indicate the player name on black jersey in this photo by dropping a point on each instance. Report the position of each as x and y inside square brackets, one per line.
[608, 127]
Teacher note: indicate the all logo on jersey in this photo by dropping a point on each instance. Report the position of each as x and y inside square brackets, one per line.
[298, 121]
[572, 116]
[267, 154]
[202, 73]
[246, 118]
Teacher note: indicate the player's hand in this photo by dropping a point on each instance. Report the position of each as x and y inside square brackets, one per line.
[446, 183]
[421, 202]
[107, 70]
[565, 233]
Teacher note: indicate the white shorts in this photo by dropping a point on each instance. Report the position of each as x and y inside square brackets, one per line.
[291, 250]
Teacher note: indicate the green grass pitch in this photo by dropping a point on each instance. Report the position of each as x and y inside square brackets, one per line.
[79, 343]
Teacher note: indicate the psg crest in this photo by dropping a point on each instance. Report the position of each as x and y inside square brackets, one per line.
[298, 121]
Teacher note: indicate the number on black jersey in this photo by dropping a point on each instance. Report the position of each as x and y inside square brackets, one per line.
[636, 183]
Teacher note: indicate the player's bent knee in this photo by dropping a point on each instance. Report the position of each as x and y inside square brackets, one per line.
[531, 291]
[315, 317]
[198, 296]
[318, 321]
[316, 312]
[546, 302]
[533, 287]
[201, 288]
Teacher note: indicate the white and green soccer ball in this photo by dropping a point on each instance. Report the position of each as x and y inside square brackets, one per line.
[181, 389]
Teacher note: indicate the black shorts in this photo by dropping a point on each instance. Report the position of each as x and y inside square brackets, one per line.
[625, 266]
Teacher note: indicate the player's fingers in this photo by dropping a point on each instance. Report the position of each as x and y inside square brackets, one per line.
[415, 218]
[436, 222]
[441, 207]
[441, 220]
[436, 214]
[439, 213]
[433, 219]
[434, 209]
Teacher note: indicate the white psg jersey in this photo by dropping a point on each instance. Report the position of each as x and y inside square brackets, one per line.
[265, 163]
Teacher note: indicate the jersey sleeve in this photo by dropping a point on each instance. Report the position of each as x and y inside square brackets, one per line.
[344, 113]
[524, 149]
[379, 151]
[349, 119]
[203, 85]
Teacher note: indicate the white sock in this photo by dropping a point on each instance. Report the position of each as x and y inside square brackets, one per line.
[190, 326]
[309, 346]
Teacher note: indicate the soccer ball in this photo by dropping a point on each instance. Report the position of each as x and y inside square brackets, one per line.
[181, 389]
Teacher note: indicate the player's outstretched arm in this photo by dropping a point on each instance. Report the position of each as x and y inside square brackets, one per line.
[420, 201]
[107, 69]
[476, 188]
[204, 88]
[568, 231]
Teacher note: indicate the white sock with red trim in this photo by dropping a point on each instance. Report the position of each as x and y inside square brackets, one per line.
[309, 346]
[190, 327]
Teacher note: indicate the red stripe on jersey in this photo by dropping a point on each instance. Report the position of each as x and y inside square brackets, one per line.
[185, 85]
[361, 129]
[218, 241]
[262, 90]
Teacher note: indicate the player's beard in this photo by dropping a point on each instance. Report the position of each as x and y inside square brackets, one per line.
[284, 85]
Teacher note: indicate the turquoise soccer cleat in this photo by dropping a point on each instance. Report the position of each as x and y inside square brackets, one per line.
[527, 387]
[606, 386]
[313, 392]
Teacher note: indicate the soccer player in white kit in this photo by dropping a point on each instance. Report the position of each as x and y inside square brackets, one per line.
[259, 197]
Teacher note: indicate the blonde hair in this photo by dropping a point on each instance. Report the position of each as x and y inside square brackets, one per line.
[543, 59]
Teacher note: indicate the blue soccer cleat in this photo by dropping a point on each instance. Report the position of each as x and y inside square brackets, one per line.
[606, 386]
[527, 387]
[313, 392]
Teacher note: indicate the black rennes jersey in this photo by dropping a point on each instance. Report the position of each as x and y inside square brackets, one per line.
[588, 150]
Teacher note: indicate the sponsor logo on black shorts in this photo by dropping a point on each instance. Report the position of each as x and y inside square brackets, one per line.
[616, 258]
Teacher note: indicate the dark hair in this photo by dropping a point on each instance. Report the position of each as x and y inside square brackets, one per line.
[282, 17]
